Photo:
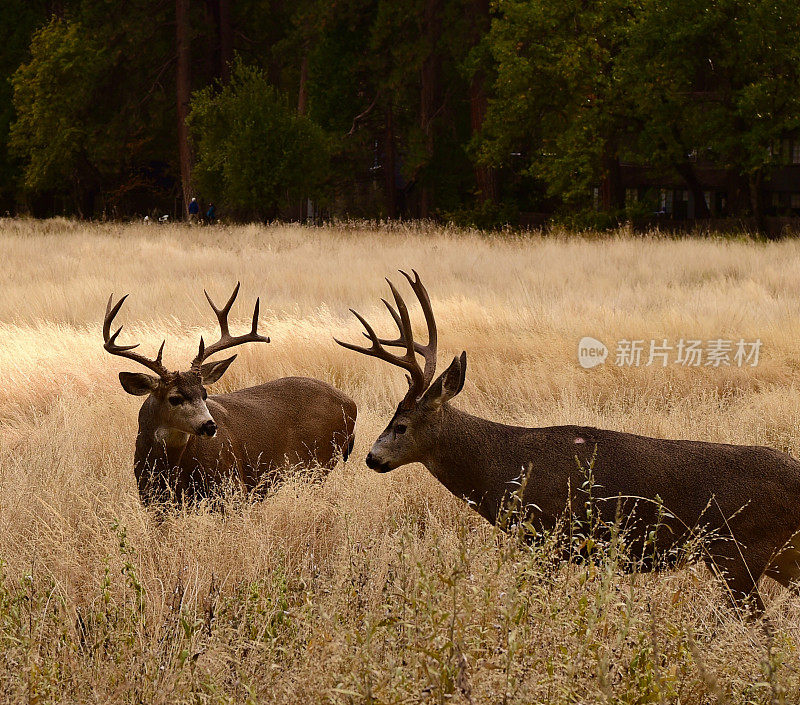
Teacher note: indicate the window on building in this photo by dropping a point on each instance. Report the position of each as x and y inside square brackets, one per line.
[707, 199]
[666, 200]
[631, 196]
[796, 152]
[795, 200]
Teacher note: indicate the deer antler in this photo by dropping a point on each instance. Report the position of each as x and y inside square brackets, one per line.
[418, 380]
[428, 351]
[227, 340]
[125, 350]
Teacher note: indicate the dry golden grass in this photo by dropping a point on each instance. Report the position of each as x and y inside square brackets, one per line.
[370, 588]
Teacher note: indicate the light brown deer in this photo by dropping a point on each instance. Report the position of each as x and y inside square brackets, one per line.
[747, 493]
[190, 443]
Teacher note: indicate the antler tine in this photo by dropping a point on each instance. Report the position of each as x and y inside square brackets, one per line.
[222, 314]
[395, 316]
[254, 329]
[428, 351]
[111, 314]
[406, 333]
[417, 378]
[160, 351]
[227, 340]
[110, 341]
[407, 362]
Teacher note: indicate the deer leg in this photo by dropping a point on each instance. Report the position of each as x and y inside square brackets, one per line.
[744, 595]
[785, 568]
[349, 449]
[740, 578]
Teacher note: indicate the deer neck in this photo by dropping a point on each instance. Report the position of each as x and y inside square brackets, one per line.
[160, 442]
[158, 453]
[171, 438]
[463, 458]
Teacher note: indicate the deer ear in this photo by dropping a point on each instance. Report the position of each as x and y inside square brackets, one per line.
[448, 384]
[138, 383]
[212, 371]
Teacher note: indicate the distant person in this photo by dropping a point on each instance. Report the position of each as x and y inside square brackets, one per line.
[194, 210]
[211, 214]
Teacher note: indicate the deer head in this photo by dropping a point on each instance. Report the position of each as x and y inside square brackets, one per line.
[178, 399]
[413, 428]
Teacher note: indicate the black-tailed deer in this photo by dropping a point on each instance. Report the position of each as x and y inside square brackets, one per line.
[189, 442]
[745, 499]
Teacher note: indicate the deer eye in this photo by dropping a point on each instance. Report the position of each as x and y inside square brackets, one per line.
[176, 401]
[205, 395]
[400, 428]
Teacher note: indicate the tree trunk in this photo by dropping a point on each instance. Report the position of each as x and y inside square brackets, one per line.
[390, 164]
[56, 7]
[77, 198]
[183, 94]
[612, 195]
[302, 106]
[755, 182]
[225, 40]
[485, 176]
[687, 173]
[429, 94]
[302, 93]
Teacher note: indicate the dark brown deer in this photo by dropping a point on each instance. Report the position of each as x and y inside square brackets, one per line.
[744, 499]
[190, 443]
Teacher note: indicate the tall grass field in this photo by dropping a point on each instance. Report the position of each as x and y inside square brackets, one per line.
[359, 587]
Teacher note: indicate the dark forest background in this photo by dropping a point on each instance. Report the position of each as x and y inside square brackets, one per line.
[467, 110]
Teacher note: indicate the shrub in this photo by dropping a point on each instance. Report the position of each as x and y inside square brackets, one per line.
[255, 155]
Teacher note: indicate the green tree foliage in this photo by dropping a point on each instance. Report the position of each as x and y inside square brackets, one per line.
[471, 109]
[55, 132]
[18, 20]
[658, 82]
[91, 109]
[559, 101]
[721, 85]
[254, 153]
[386, 81]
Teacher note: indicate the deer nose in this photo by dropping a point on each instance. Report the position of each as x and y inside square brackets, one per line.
[209, 428]
[374, 464]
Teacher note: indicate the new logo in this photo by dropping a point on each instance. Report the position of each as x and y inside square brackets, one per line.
[591, 352]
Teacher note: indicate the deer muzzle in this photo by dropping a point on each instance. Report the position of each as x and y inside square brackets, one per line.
[209, 428]
[374, 464]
